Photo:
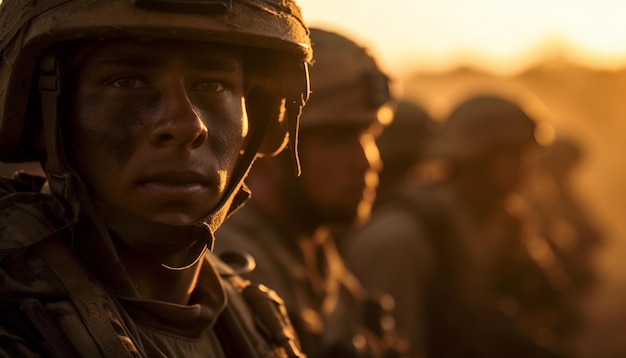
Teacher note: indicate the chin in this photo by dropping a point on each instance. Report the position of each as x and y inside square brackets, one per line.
[174, 219]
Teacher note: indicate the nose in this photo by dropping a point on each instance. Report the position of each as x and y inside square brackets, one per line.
[178, 123]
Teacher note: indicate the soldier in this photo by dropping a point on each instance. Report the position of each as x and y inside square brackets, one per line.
[565, 221]
[286, 226]
[496, 283]
[391, 249]
[146, 116]
[571, 228]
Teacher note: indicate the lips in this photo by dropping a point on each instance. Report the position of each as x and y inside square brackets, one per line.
[175, 182]
[177, 178]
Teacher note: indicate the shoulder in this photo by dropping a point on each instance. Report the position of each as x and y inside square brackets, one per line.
[27, 216]
[255, 315]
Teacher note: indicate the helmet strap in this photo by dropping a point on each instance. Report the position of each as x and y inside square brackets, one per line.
[49, 89]
[296, 99]
[293, 109]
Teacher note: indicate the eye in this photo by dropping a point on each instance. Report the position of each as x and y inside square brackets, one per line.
[209, 86]
[129, 83]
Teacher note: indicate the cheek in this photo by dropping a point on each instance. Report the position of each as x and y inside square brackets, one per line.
[106, 128]
[227, 128]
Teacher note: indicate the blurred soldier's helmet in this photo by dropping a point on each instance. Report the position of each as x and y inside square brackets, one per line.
[401, 142]
[271, 30]
[484, 123]
[347, 85]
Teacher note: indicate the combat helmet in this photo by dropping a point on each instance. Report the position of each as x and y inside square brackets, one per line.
[347, 84]
[484, 122]
[401, 142]
[31, 81]
[28, 28]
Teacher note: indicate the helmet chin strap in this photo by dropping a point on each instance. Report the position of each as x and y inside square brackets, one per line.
[199, 257]
[156, 239]
[63, 183]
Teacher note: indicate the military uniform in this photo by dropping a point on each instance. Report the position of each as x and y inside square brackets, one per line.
[325, 303]
[54, 306]
[392, 253]
[496, 284]
[481, 294]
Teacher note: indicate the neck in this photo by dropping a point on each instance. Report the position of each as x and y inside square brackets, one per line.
[156, 282]
[162, 260]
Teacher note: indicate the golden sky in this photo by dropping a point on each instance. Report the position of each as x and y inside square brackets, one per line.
[503, 35]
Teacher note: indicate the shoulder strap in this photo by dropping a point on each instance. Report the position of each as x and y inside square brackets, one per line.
[32, 218]
[54, 341]
[88, 299]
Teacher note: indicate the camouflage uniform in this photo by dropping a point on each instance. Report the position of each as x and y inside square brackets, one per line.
[64, 290]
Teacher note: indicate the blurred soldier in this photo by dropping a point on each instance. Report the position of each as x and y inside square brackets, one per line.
[566, 223]
[286, 224]
[496, 282]
[390, 252]
[146, 116]
[569, 225]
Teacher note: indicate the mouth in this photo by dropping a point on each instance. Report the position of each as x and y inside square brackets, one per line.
[175, 183]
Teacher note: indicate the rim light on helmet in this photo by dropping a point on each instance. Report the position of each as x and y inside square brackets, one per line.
[202, 6]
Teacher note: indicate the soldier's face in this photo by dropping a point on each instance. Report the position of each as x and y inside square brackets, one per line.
[340, 169]
[508, 166]
[156, 127]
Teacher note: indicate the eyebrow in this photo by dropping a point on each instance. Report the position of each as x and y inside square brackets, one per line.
[202, 62]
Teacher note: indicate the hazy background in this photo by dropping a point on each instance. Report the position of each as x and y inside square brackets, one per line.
[570, 53]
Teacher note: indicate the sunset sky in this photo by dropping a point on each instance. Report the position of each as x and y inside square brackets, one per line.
[503, 35]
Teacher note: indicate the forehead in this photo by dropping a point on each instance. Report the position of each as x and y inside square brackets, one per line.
[157, 52]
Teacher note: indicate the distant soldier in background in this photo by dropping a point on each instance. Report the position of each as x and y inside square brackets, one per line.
[286, 224]
[494, 284]
[390, 252]
[571, 231]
